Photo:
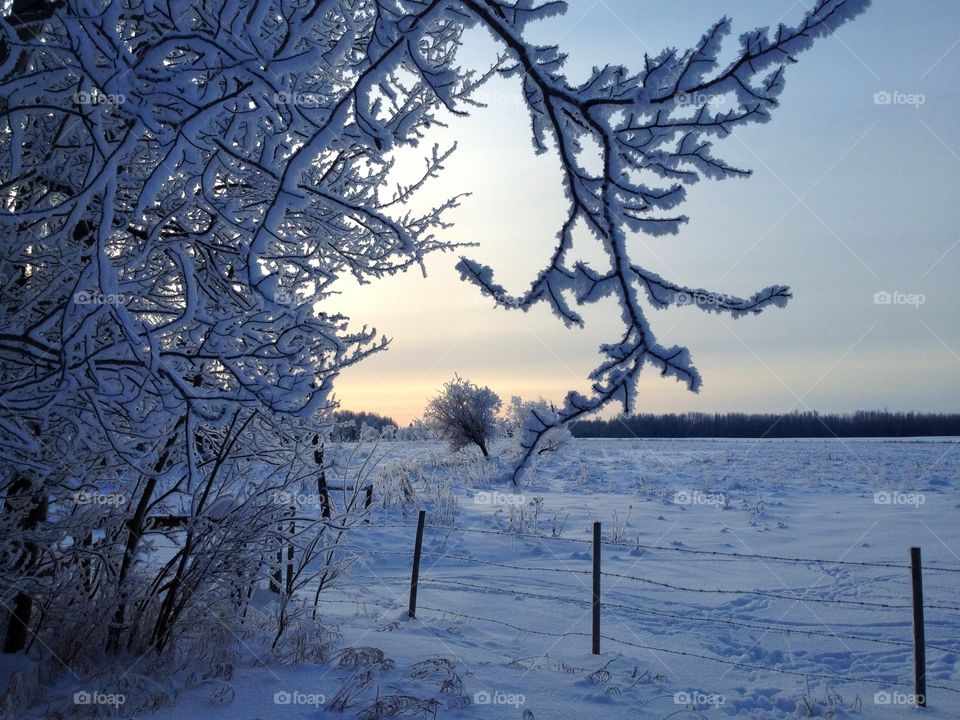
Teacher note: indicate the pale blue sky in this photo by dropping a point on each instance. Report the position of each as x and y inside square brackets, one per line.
[848, 198]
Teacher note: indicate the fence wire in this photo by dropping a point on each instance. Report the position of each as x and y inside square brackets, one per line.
[674, 549]
[760, 626]
[652, 648]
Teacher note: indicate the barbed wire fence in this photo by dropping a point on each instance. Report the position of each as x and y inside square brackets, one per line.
[596, 602]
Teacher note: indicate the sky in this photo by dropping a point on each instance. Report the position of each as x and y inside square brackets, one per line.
[854, 200]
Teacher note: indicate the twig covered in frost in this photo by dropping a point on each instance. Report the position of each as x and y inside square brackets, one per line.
[653, 130]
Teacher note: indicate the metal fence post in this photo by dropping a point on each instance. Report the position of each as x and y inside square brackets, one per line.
[596, 588]
[415, 575]
[919, 642]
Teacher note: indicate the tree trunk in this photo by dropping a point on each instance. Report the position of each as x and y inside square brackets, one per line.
[134, 532]
[15, 639]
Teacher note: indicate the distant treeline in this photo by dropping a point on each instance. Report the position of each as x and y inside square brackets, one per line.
[349, 424]
[863, 423]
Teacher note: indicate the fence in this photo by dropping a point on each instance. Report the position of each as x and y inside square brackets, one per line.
[913, 607]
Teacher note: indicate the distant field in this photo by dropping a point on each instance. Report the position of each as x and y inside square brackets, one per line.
[508, 604]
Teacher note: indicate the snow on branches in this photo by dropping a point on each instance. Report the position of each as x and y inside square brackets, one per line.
[180, 184]
[465, 414]
[654, 130]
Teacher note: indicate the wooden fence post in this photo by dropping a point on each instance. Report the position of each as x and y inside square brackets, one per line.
[596, 588]
[277, 581]
[415, 575]
[919, 643]
[322, 489]
[367, 502]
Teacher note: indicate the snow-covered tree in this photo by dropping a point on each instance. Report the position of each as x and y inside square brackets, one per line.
[465, 414]
[179, 190]
[179, 187]
[418, 429]
[652, 129]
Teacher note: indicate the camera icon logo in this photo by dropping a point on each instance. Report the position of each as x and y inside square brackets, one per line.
[482, 697]
[282, 697]
[882, 97]
[82, 698]
[882, 298]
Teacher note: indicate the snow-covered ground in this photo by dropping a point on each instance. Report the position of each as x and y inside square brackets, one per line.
[504, 620]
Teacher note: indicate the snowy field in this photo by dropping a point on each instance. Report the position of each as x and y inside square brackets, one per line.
[504, 621]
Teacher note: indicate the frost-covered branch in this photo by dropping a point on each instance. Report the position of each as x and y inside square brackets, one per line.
[179, 189]
[653, 130]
